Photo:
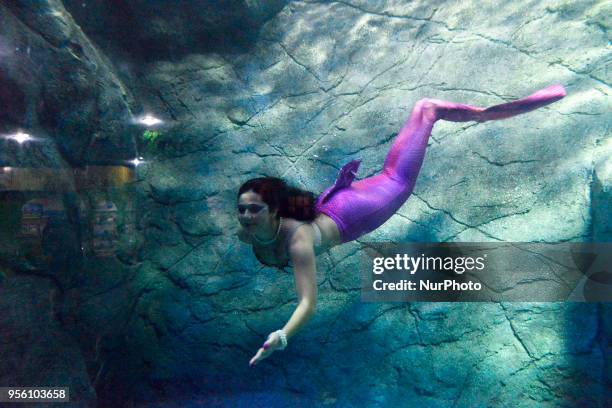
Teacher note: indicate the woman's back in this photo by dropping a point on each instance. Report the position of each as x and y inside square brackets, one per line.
[322, 229]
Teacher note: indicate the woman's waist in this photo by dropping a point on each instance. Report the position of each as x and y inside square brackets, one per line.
[330, 234]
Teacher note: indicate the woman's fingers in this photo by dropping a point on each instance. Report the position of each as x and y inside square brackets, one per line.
[266, 349]
[255, 359]
[261, 354]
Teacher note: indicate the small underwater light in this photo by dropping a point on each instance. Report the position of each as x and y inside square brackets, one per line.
[137, 161]
[150, 120]
[20, 137]
[7, 169]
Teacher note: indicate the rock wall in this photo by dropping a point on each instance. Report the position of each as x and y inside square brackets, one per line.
[56, 86]
[67, 91]
[321, 83]
[155, 29]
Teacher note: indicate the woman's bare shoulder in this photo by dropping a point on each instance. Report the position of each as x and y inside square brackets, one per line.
[296, 232]
[290, 224]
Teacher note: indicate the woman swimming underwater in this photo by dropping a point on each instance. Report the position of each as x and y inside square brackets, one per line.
[286, 224]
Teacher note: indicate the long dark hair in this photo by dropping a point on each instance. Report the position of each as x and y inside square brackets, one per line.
[290, 201]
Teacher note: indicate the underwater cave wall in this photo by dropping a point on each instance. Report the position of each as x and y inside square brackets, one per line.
[60, 91]
[309, 86]
[327, 82]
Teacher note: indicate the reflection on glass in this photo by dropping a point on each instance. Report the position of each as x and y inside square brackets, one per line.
[92, 201]
[105, 235]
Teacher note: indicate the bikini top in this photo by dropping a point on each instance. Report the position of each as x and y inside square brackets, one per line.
[285, 248]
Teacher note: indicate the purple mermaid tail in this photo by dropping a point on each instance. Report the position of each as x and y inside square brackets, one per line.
[536, 100]
[345, 177]
[360, 207]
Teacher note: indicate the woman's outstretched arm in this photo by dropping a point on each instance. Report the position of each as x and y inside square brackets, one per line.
[305, 275]
[302, 255]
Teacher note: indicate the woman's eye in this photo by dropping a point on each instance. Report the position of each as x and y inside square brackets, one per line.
[253, 209]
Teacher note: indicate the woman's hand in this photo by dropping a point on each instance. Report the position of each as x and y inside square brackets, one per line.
[270, 345]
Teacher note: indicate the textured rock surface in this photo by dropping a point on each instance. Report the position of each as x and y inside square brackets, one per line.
[56, 86]
[321, 84]
[60, 88]
[35, 349]
[152, 29]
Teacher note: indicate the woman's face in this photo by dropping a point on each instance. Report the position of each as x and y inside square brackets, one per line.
[253, 213]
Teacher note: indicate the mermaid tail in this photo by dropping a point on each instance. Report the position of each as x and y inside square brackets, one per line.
[345, 177]
[408, 150]
[458, 112]
[361, 207]
[536, 100]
